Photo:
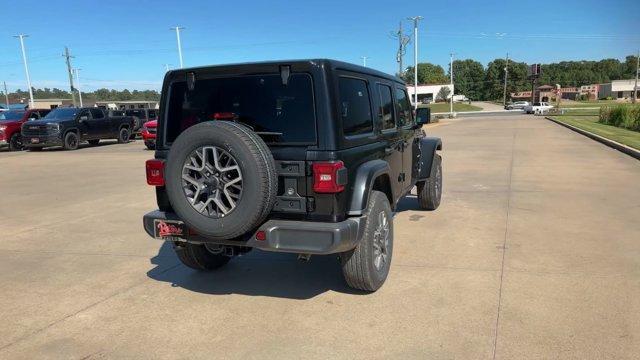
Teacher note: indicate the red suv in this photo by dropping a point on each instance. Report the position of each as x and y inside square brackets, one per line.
[11, 122]
[149, 134]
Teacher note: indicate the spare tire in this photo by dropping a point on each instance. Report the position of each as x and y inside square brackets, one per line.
[221, 179]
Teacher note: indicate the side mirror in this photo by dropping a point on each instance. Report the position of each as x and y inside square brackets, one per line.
[84, 118]
[423, 116]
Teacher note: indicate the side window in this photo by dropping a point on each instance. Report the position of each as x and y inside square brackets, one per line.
[85, 113]
[97, 113]
[386, 107]
[355, 107]
[403, 107]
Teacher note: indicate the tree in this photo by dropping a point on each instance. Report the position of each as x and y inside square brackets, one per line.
[443, 94]
[427, 74]
[468, 78]
[493, 86]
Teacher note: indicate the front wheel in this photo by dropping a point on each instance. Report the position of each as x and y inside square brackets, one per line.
[15, 143]
[199, 257]
[123, 136]
[70, 141]
[366, 267]
[430, 191]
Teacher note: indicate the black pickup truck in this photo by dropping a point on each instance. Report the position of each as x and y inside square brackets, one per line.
[306, 157]
[67, 127]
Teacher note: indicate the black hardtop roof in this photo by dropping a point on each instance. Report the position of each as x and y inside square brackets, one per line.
[334, 64]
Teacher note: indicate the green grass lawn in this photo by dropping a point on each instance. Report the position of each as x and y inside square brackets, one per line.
[577, 104]
[457, 107]
[591, 124]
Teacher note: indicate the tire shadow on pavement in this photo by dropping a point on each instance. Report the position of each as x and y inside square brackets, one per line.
[258, 273]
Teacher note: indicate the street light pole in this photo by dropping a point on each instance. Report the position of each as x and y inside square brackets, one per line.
[635, 87]
[26, 67]
[506, 75]
[177, 29]
[6, 94]
[415, 20]
[364, 60]
[77, 71]
[451, 74]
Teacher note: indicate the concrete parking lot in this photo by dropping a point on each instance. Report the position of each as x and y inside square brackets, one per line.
[534, 253]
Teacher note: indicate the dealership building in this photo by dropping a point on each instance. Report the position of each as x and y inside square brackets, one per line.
[428, 92]
[618, 89]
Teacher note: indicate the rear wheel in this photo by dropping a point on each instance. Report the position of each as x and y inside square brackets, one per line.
[430, 191]
[15, 143]
[123, 136]
[199, 257]
[150, 145]
[94, 142]
[70, 141]
[366, 267]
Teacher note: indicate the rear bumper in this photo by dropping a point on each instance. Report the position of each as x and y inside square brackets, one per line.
[303, 237]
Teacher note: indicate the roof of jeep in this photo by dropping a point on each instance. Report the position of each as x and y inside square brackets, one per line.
[334, 64]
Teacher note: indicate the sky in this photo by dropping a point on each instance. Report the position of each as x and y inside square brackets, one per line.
[126, 44]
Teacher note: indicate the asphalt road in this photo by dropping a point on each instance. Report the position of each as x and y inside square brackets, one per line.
[534, 253]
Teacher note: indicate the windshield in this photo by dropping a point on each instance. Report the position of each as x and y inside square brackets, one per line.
[11, 115]
[279, 113]
[61, 113]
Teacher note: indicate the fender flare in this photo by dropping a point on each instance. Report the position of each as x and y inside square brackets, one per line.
[365, 177]
[428, 148]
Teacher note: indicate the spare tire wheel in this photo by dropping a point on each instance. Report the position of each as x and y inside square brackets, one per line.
[221, 179]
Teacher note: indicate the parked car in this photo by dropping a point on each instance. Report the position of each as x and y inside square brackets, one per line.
[538, 108]
[67, 127]
[306, 157]
[517, 105]
[141, 116]
[11, 123]
[149, 134]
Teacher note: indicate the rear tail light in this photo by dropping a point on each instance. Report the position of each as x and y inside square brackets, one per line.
[223, 116]
[155, 172]
[329, 177]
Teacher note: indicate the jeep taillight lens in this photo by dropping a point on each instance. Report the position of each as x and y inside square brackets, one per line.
[329, 177]
[155, 172]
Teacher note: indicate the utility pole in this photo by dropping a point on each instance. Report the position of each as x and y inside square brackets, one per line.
[77, 70]
[403, 40]
[177, 29]
[415, 20]
[166, 67]
[6, 94]
[635, 87]
[364, 60]
[452, 89]
[506, 76]
[70, 71]
[26, 67]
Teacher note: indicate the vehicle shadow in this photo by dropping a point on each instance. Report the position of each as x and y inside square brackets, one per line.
[258, 273]
[82, 146]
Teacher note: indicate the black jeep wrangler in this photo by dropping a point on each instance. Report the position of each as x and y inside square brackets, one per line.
[306, 157]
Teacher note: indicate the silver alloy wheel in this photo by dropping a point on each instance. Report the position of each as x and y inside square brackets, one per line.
[381, 241]
[212, 181]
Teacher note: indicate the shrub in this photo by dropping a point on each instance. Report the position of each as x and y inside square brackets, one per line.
[624, 116]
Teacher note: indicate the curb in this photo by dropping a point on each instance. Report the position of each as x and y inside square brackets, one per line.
[610, 143]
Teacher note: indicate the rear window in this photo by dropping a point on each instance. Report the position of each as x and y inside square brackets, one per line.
[279, 113]
[139, 113]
